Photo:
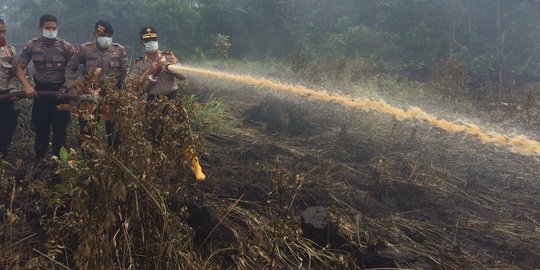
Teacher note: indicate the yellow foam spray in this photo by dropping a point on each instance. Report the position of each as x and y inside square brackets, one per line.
[517, 144]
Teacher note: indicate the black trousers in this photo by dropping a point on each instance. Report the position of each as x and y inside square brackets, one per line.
[8, 124]
[46, 118]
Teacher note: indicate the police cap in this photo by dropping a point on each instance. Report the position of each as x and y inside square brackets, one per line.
[104, 26]
[148, 32]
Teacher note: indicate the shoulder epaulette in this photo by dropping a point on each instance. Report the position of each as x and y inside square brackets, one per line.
[11, 49]
[87, 44]
[167, 53]
[32, 41]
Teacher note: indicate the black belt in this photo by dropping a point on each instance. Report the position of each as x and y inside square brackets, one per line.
[4, 92]
[47, 86]
[170, 95]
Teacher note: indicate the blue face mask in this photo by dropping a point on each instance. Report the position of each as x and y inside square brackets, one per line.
[104, 42]
[49, 34]
[151, 46]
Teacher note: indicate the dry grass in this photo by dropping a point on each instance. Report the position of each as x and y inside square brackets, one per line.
[392, 201]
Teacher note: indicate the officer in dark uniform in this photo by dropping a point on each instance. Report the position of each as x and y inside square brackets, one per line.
[102, 55]
[49, 55]
[8, 82]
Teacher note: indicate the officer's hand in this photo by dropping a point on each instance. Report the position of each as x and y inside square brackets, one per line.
[156, 68]
[30, 92]
[73, 92]
[62, 93]
[13, 98]
[73, 95]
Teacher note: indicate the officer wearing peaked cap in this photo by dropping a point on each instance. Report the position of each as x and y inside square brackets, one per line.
[152, 76]
[149, 69]
[102, 55]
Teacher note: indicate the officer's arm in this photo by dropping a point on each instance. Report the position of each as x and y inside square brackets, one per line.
[72, 67]
[178, 76]
[24, 59]
[12, 83]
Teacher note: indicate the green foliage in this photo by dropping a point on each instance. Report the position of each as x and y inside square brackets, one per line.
[198, 55]
[481, 33]
[399, 90]
[450, 80]
[419, 47]
[63, 154]
[209, 116]
[221, 46]
[359, 40]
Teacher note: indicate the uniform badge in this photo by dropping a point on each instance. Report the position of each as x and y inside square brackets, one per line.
[37, 49]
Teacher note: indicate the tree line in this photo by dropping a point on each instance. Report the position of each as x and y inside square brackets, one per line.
[487, 36]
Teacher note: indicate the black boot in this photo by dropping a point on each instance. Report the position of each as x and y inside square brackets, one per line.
[40, 165]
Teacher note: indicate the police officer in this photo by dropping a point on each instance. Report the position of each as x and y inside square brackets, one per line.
[149, 69]
[8, 82]
[151, 74]
[49, 55]
[104, 55]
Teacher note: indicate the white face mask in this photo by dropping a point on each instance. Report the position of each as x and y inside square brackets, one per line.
[151, 46]
[104, 42]
[49, 34]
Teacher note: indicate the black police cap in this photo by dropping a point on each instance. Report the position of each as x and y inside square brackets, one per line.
[104, 26]
[148, 32]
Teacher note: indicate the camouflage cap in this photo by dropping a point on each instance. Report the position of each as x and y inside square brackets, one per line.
[148, 32]
[104, 26]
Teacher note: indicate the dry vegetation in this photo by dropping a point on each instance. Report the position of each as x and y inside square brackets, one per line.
[294, 185]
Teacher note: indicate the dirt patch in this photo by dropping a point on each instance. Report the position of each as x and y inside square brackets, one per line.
[280, 116]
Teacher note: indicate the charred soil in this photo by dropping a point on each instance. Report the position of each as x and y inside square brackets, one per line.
[307, 185]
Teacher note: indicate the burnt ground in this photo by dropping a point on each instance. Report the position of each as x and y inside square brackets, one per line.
[409, 195]
[382, 193]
